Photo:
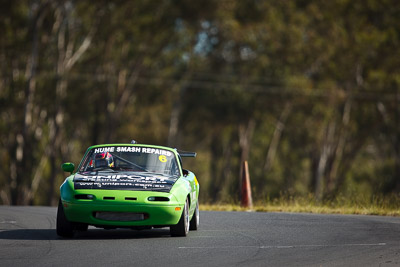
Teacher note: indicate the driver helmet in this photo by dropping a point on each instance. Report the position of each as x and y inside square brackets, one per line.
[103, 160]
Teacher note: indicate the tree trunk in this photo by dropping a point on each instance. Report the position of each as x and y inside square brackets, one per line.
[397, 140]
[20, 181]
[337, 159]
[215, 179]
[280, 125]
[67, 58]
[323, 159]
[178, 92]
[245, 136]
[116, 106]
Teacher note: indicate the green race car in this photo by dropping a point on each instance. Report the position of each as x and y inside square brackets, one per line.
[129, 186]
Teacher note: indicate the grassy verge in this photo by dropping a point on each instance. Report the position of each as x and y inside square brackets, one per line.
[384, 206]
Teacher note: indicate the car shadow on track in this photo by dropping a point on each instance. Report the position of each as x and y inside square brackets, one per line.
[95, 234]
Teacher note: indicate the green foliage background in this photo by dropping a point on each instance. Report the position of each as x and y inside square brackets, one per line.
[306, 91]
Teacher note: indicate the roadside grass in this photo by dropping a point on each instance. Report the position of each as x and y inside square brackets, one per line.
[383, 206]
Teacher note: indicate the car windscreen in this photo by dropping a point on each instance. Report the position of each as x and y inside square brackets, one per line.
[131, 158]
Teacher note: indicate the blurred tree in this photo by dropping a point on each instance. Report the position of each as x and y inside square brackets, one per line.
[306, 91]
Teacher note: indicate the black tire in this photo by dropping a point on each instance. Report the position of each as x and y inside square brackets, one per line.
[65, 228]
[182, 228]
[195, 221]
[81, 227]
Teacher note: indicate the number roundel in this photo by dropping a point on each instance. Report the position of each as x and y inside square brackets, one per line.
[162, 158]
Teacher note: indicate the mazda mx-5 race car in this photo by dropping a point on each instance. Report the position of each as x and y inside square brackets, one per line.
[129, 186]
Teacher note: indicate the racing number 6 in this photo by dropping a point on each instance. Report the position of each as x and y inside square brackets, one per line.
[162, 158]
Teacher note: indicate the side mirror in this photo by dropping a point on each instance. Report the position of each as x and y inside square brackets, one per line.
[68, 167]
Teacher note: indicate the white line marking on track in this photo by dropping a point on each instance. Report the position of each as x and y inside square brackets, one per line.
[286, 247]
[202, 236]
[8, 222]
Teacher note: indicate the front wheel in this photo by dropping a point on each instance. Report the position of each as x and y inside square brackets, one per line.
[182, 228]
[195, 221]
[64, 227]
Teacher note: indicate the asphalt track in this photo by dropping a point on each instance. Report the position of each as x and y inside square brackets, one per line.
[28, 238]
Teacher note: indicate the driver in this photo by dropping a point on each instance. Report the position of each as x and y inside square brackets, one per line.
[103, 160]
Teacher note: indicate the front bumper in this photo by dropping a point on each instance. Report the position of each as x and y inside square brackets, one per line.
[156, 213]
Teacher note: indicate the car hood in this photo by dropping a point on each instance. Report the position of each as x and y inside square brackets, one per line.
[124, 181]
